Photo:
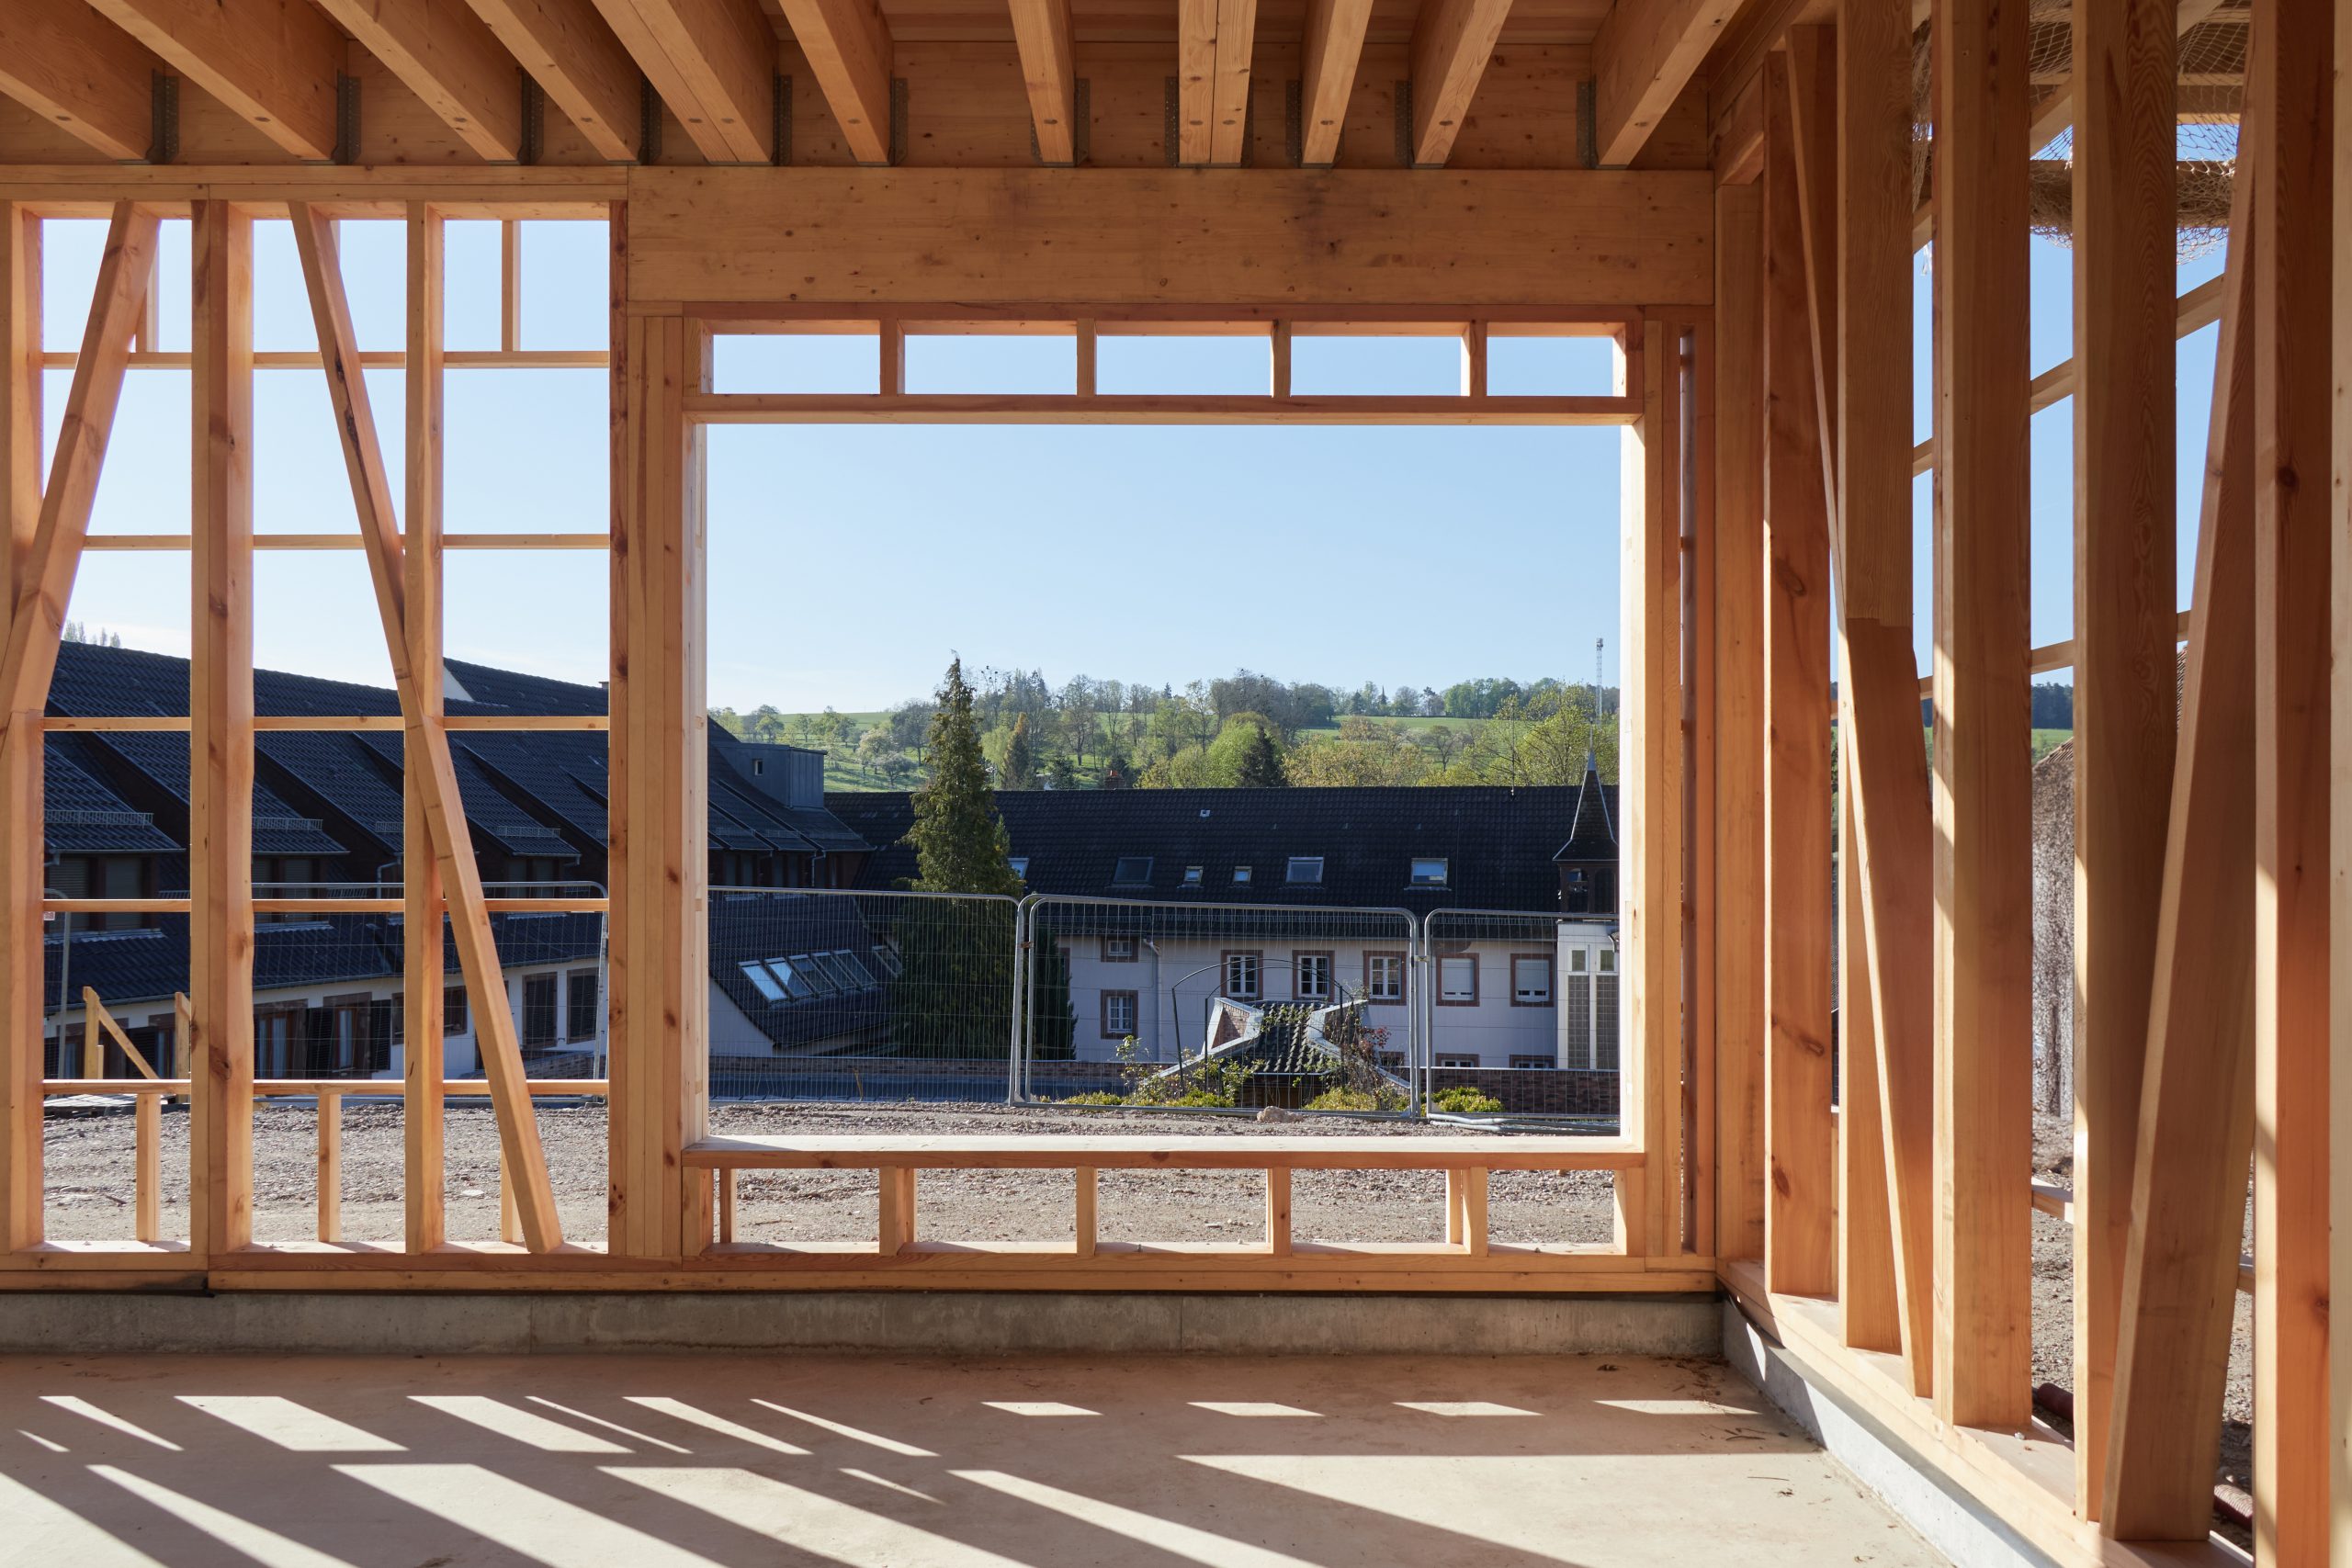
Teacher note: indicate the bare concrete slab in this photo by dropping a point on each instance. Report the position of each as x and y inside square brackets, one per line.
[732, 1460]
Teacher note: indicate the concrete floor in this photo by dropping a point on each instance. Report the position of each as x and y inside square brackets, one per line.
[694, 1461]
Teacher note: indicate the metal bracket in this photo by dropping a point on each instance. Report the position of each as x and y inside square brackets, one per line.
[897, 120]
[783, 120]
[1587, 123]
[649, 122]
[1294, 121]
[1170, 131]
[535, 119]
[164, 109]
[347, 118]
[1081, 113]
[1404, 99]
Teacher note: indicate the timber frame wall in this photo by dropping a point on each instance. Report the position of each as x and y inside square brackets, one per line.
[1737, 211]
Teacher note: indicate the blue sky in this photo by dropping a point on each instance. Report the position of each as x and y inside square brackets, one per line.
[848, 562]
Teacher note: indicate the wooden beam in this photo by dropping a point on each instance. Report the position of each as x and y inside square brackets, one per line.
[2290, 136]
[450, 59]
[1737, 821]
[1214, 39]
[424, 981]
[1800, 1237]
[574, 56]
[848, 46]
[220, 735]
[272, 61]
[2194, 1114]
[1983, 745]
[22, 852]
[1644, 56]
[714, 63]
[1335, 34]
[426, 744]
[2055, 112]
[1888, 796]
[1452, 41]
[1813, 121]
[1870, 1312]
[78, 71]
[2126, 194]
[1050, 73]
[47, 581]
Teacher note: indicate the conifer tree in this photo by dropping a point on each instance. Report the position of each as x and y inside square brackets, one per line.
[959, 840]
[1261, 764]
[1020, 756]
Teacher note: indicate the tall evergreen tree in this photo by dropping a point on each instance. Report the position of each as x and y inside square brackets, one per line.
[1261, 764]
[1020, 757]
[959, 840]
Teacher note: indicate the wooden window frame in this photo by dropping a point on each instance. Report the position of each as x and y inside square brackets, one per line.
[1103, 1010]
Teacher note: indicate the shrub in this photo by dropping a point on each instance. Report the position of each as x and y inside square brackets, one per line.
[1463, 1101]
[1099, 1097]
[1341, 1097]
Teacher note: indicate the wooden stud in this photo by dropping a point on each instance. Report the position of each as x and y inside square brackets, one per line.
[1813, 131]
[2195, 1109]
[1887, 797]
[22, 851]
[1452, 41]
[426, 745]
[2125, 195]
[897, 1225]
[147, 1193]
[510, 286]
[1041, 33]
[1799, 1238]
[1869, 1306]
[273, 63]
[1474, 360]
[727, 1206]
[1087, 345]
[1456, 1212]
[571, 53]
[2290, 136]
[1737, 822]
[510, 1216]
[331, 1168]
[1278, 1234]
[1642, 58]
[848, 46]
[1335, 34]
[1473, 1191]
[1984, 815]
[424, 982]
[1084, 1239]
[80, 72]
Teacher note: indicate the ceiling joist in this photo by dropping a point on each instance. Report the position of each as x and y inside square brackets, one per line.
[1335, 30]
[1644, 55]
[1214, 39]
[1048, 70]
[449, 58]
[273, 61]
[78, 71]
[848, 46]
[576, 61]
[1452, 43]
[713, 62]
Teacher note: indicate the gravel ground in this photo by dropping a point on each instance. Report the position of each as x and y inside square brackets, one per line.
[90, 1173]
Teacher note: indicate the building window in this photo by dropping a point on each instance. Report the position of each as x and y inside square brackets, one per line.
[1531, 980]
[1383, 976]
[886, 958]
[1303, 870]
[1429, 871]
[1244, 975]
[1118, 950]
[453, 1009]
[1457, 981]
[1133, 870]
[539, 1010]
[1528, 1062]
[1020, 865]
[1191, 877]
[580, 1005]
[1311, 977]
[764, 982]
[861, 977]
[810, 974]
[1241, 876]
[1455, 1059]
[1119, 1010]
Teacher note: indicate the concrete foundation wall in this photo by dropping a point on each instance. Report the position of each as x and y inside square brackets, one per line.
[65, 1323]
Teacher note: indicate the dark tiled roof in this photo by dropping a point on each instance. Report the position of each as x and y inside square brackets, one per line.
[754, 928]
[1498, 842]
[486, 687]
[79, 815]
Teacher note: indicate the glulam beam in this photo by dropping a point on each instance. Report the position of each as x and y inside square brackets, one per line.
[578, 61]
[79, 72]
[1049, 75]
[1335, 34]
[848, 46]
[713, 63]
[450, 59]
[1644, 56]
[1452, 41]
[273, 62]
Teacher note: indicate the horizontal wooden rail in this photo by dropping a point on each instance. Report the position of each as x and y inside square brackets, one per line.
[165, 542]
[100, 723]
[2058, 656]
[372, 359]
[1076, 1151]
[381, 1089]
[319, 905]
[2199, 306]
[1065, 318]
[945, 408]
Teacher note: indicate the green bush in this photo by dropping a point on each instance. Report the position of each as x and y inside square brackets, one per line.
[1344, 1098]
[1100, 1097]
[1463, 1101]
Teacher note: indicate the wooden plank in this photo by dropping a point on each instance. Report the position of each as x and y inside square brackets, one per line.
[1236, 31]
[220, 737]
[271, 63]
[1800, 1140]
[450, 59]
[1452, 41]
[1737, 822]
[1813, 125]
[330, 1168]
[1049, 74]
[897, 1186]
[22, 851]
[1887, 797]
[1869, 1305]
[714, 64]
[1278, 1211]
[1644, 56]
[46, 582]
[2195, 1111]
[1984, 815]
[2290, 136]
[426, 744]
[574, 56]
[848, 46]
[1125, 237]
[1083, 1239]
[2125, 193]
[78, 71]
[1335, 35]
[422, 980]
[1074, 1151]
[147, 1188]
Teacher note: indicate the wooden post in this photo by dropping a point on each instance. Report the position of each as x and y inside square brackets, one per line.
[1890, 913]
[1800, 1139]
[727, 1204]
[21, 849]
[148, 1203]
[895, 1222]
[1473, 1212]
[658, 775]
[1735, 821]
[1083, 1240]
[510, 1219]
[2288, 136]
[423, 979]
[221, 738]
[1278, 1240]
[93, 1044]
[1984, 816]
[2125, 200]
[331, 1168]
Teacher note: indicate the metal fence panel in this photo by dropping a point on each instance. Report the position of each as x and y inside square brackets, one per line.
[1521, 1015]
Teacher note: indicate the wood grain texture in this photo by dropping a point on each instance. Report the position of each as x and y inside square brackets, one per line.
[79, 71]
[1644, 56]
[451, 60]
[422, 980]
[573, 54]
[1452, 44]
[848, 46]
[1335, 35]
[1049, 74]
[713, 62]
[273, 62]
[22, 851]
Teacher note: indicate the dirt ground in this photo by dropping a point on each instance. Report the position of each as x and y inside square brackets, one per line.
[90, 1176]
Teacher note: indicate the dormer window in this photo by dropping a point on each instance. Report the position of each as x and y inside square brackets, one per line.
[1133, 870]
[1305, 870]
[1191, 877]
[1241, 876]
[1429, 871]
[1020, 865]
